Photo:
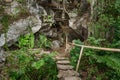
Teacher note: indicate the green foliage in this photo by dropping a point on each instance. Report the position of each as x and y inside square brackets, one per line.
[15, 12]
[47, 19]
[104, 58]
[5, 20]
[74, 53]
[26, 41]
[43, 42]
[23, 2]
[106, 18]
[23, 65]
[108, 61]
[38, 64]
[94, 41]
[106, 26]
[117, 5]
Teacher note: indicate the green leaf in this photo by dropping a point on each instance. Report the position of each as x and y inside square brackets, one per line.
[38, 64]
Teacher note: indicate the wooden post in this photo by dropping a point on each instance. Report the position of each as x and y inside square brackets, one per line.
[66, 41]
[79, 58]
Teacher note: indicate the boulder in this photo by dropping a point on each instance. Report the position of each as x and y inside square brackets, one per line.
[55, 44]
[18, 28]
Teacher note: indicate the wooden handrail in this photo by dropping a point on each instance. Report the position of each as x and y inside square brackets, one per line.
[78, 63]
[91, 47]
[98, 48]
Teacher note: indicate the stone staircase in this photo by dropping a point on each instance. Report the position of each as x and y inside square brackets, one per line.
[65, 70]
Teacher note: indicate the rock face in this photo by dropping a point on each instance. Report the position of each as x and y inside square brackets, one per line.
[34, 21]
[20, 26]
[2, 56]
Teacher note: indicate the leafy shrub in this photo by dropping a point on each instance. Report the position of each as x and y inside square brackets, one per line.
[26, 41]
[43, 42]
[102, 60]
[23, 65]
[106, 26]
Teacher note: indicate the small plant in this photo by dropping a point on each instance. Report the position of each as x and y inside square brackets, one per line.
[15, 12]
[47, 18]
[43, 42]
[26, 41]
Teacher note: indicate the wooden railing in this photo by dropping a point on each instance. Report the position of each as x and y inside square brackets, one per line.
[91, 47]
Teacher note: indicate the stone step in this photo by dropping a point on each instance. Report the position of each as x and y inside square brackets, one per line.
[61, 58]
[64, 62]
[67, 73]
[72, 78]
[64, 67]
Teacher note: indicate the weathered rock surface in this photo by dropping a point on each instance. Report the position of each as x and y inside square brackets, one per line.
[2, 40]
[2, 56]
[8, 0]
[64, 62]
[55, 44]
[20, 26]
[72, 78]
[64, 67]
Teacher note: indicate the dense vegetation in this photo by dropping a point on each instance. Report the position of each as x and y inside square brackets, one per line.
[25, 63]
[102, 65]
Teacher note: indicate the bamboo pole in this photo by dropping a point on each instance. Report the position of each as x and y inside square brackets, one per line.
[98, 48]
[79, 58]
